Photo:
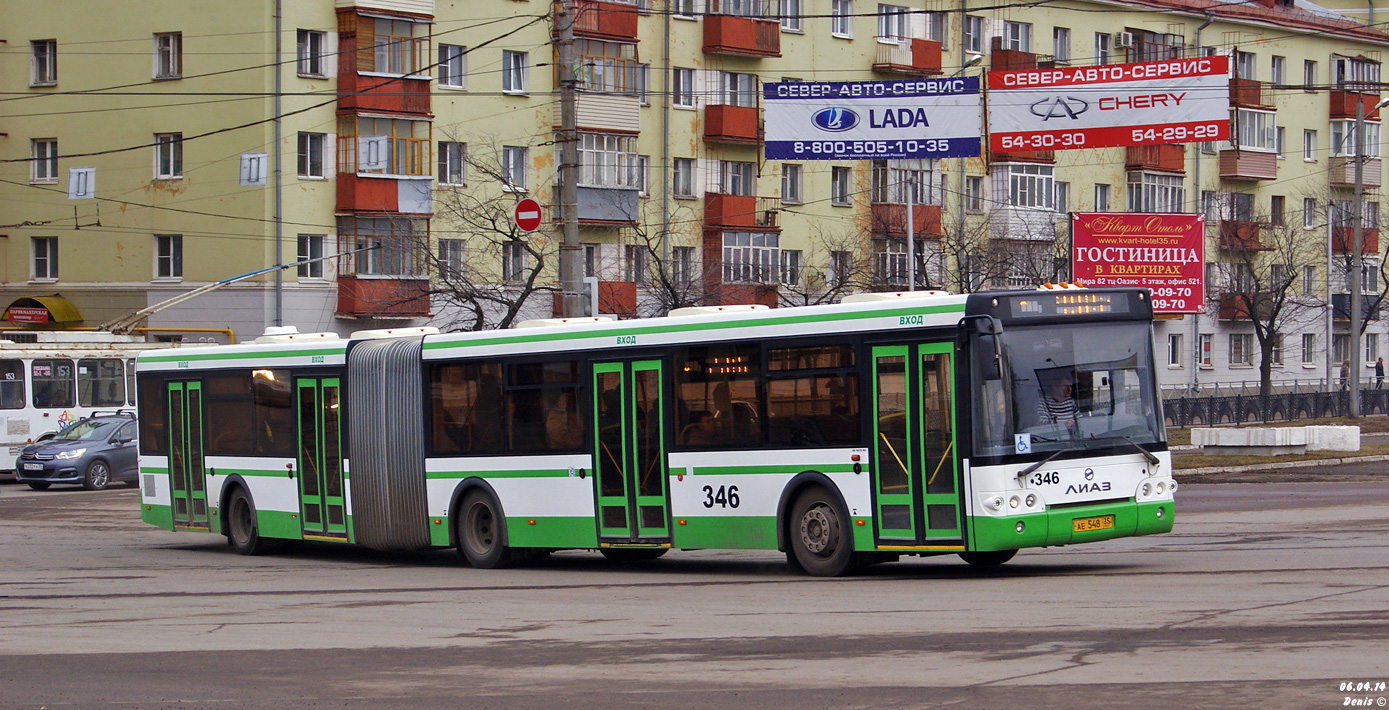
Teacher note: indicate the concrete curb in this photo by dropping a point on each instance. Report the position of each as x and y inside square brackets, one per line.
[1287, 464]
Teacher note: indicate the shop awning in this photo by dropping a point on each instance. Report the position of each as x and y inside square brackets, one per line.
[31, 310]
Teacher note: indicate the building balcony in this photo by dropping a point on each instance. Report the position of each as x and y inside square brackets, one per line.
[1248, 93]
[1236, 164]
[1011, 60]
[1343, 240]
[608, 206]
[1164, 158]
[378, 93]
[1342, 172]
[890, 220]
[618, 298]
[382, 297]
[1343, 104]
[742, 212]
[361, 192]
[1340, 306]
[1024, 224]
[912, 57]
[732, 124]
[605, 20]
[1240, 235]
[1238, 306]
[606, 113]
[741, 36]
[1023, 156]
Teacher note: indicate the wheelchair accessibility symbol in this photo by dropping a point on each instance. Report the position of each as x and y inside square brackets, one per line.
[1023, 443]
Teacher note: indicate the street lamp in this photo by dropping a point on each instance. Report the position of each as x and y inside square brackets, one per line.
[1356, 258]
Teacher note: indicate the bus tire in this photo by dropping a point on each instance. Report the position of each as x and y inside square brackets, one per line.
[39, 485]
[479, 532]
[630, 555]
[988, 559]
[98, 476]
[820, 537]
[243, 534]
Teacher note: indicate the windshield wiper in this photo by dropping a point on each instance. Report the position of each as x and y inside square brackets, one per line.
[1023, 473]
[1152, 459]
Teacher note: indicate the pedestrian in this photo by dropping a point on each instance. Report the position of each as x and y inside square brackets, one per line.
[1345, 374]
[1379, 373]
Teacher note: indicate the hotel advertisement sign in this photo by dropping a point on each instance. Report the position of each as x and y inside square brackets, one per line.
[1146, 103]
[873, 120]
[1164, 253]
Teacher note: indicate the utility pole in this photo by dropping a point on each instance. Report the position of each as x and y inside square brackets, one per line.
[1355, 256]
[279, 186]
[911, 231]
[570, 265]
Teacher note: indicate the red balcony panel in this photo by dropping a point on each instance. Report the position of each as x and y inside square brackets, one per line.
[1237, 307]
[1165, 158]
[732, 124]
[1244, 236]
[363, 194]
[916, 57]
[382, 297]
[1024, 156]
[1238, 164]
[379, 93]
[605, 20]
[891, 220]
[742, 212]
[1343, 240]
[1249, 93]
[1342, 172]
[618, 298]
[1343, 104]
[742, 36]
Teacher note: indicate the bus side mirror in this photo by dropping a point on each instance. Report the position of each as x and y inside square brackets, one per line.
[986, 357]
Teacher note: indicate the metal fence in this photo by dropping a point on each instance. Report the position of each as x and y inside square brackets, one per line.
[1235, 403]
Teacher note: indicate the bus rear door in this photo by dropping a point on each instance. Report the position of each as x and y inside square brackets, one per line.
[186, 475]
[629, 452]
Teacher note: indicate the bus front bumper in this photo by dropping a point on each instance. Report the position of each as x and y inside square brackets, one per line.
[1072, 525]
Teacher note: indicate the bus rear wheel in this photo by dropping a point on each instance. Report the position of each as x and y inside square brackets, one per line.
[480, 532]
[820, 541]
[629, 555]
[988, 559]
[242, 532]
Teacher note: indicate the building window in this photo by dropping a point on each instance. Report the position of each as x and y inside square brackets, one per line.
[1371, 348]
[45, 258]
[311, 251]
[974, 34]
[750, 257]
[1174, 351]
[609, 161]
[1340, 347]
[1017, 36]
[791, 15]
[452, 159]
[1309, 280]
[892, 22]
[682, 88]
[168, 156]
[1156, 192]
[168, 256]
[738, 89]
[514, 72]
[1102, 47]
[974, 194]
[1203, 349]
[609, 67]
[392, 146]
[310, 55]
[1061, 44]
[1309, 146]
[514, 168]
[896, 185]
[1309, 75]
[935, 26]
[1031, 186]
[1277, 209]
[1354, 73]
[840, 268]
[736, 178]
[842, 18]
[44, 168]
[643, 173]
[391, 245]
[1309, 348]
[790, 267]
[682, 177]
[1101, 197]
[1244, 65]
[682, 264]
[1276, 351]
[1280, 136]
[890, 256]
[311, 155]
[168, 55]
[683, 8]
[634, 263]
[1343, 139]
[398, 48]
[644, 84]
[43, 62]
[791, 183]
[513, 261]
[1254, 130]
[453, 66]
[1241, 349]
[839, 185]
[1063, 196]
[1278, 71]
[451, 258]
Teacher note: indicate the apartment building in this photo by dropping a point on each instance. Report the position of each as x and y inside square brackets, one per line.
[415, 122]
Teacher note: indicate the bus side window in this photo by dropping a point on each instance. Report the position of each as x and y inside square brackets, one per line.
[101, 382]
[53, 383]
[154, 413]
[274, 413]
[130, 382]
[11, 384]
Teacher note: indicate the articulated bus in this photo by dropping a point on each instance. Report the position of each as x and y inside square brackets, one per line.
[890, 424]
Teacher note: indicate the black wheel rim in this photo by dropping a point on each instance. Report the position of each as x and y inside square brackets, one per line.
[481, 529]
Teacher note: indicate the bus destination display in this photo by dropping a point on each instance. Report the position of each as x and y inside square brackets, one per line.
[1069, 304]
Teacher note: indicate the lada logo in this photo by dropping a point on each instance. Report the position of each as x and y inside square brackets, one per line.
[1060, 107]
[834, 119]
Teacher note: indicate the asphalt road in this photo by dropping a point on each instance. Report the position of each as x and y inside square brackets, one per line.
[1265, 595]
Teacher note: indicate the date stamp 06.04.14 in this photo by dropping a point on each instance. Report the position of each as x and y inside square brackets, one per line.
[1363, 694]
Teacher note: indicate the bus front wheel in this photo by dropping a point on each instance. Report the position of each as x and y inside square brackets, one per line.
[480, 532]
[242, 532]
[820, 539]
[988, 559]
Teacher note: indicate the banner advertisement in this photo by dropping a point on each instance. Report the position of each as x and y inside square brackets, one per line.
[872, 120]
[1164, 253]
[1111, 105]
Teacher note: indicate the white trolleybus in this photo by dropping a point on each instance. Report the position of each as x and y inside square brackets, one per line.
[846, 434]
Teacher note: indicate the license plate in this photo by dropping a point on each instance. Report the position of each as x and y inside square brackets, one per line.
[1104, 522]
[33, 467]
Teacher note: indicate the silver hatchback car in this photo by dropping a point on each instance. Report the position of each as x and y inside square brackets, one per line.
[93, 452]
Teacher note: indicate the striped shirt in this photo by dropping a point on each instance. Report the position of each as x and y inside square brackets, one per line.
[1051, 410]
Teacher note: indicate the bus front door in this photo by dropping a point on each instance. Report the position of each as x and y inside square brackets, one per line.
[186, 476]
[629, 453]
[914, 464]
[320, 458]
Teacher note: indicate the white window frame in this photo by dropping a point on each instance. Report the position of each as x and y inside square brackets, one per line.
[737, 89]
[841, 181]
[168, 257]
[310, 246]
[737, 178]
[893, 23]
[1241, 350]
[168, 156]
[1174, 350]
[1061, 44]
[1103, 197]
[682, 87]
[683, 9]
[309, 53]
[43, 258]
[43, 168]
[792, 182]
[1254, 130]
[515, 72]
[1031, 186]
[453, 257]
[43, 62]
[1309, 146]
[1204, 343]
[453, 163]
[682, 264]
[1063, 196]
[791, 16]
[790, 267]
[310, 148]
[514, 260]
[1343, 139]
[1280, 139]
[608, 160]
[842, 18]
[751, 257]
[1017, 36]
[974, 193]
[974, 34]
[1278, 71]
[1156, 192]
[635, 265]
[1309, 75]
[1104, 44]
[1309, 349]
[452, 69]
[515, 165]
[682, 178]
[168, 55]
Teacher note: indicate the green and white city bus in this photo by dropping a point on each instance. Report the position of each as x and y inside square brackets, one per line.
[890, 424]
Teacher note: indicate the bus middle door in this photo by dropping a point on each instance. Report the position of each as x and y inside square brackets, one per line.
[320, 457]
[629, 453]
[188, 483]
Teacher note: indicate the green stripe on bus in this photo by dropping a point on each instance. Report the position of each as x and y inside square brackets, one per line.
[726, 533]
[761, 470]
[261, 472]
[187, 357]
[553, 532]
[686, 328]
[157, 515]
[529, 473]
[154, 469]
[279, 524]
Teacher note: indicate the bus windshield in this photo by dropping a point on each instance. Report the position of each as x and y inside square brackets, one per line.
[1069, 387]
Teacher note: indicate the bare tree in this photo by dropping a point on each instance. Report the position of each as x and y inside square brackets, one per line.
[1340, 215]
[832, 268]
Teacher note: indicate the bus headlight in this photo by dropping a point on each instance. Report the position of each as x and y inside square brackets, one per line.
[1147, 489]
[1161, 487]
[1172, 486]
[1030, 500]
[995, 503]
[1014, 502]
[71, 454]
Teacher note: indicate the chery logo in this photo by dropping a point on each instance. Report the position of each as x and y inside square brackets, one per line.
[1060, 107]
[834, 119]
